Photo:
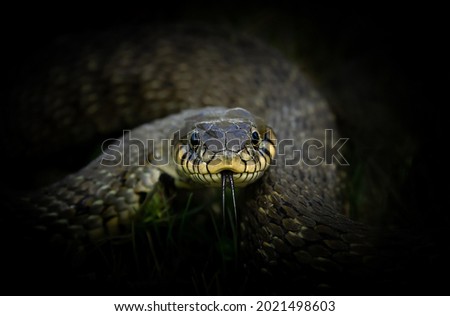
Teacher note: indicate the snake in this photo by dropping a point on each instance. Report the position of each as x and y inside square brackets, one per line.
[200, 106]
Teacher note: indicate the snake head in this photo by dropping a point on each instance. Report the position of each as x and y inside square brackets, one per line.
[218, 141]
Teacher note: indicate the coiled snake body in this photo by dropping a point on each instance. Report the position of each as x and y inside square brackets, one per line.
[291, 221]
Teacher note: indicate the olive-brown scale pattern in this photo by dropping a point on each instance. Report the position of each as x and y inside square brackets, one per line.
[293, 219]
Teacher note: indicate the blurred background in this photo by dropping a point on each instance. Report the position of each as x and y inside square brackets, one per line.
[380, 67]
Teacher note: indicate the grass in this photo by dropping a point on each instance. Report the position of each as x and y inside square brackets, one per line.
[178, 244]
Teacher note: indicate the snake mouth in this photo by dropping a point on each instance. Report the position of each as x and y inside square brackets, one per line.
[207, 169]
[216, 179]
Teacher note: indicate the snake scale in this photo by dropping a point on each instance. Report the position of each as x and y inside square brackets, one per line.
[292, 229]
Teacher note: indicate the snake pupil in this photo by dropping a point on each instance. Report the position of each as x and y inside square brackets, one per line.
[195, 140]
[255, 138]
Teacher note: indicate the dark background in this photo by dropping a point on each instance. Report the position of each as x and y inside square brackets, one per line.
[382, 69]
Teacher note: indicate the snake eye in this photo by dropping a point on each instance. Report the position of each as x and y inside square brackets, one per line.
[255, 138]
[195, 139]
